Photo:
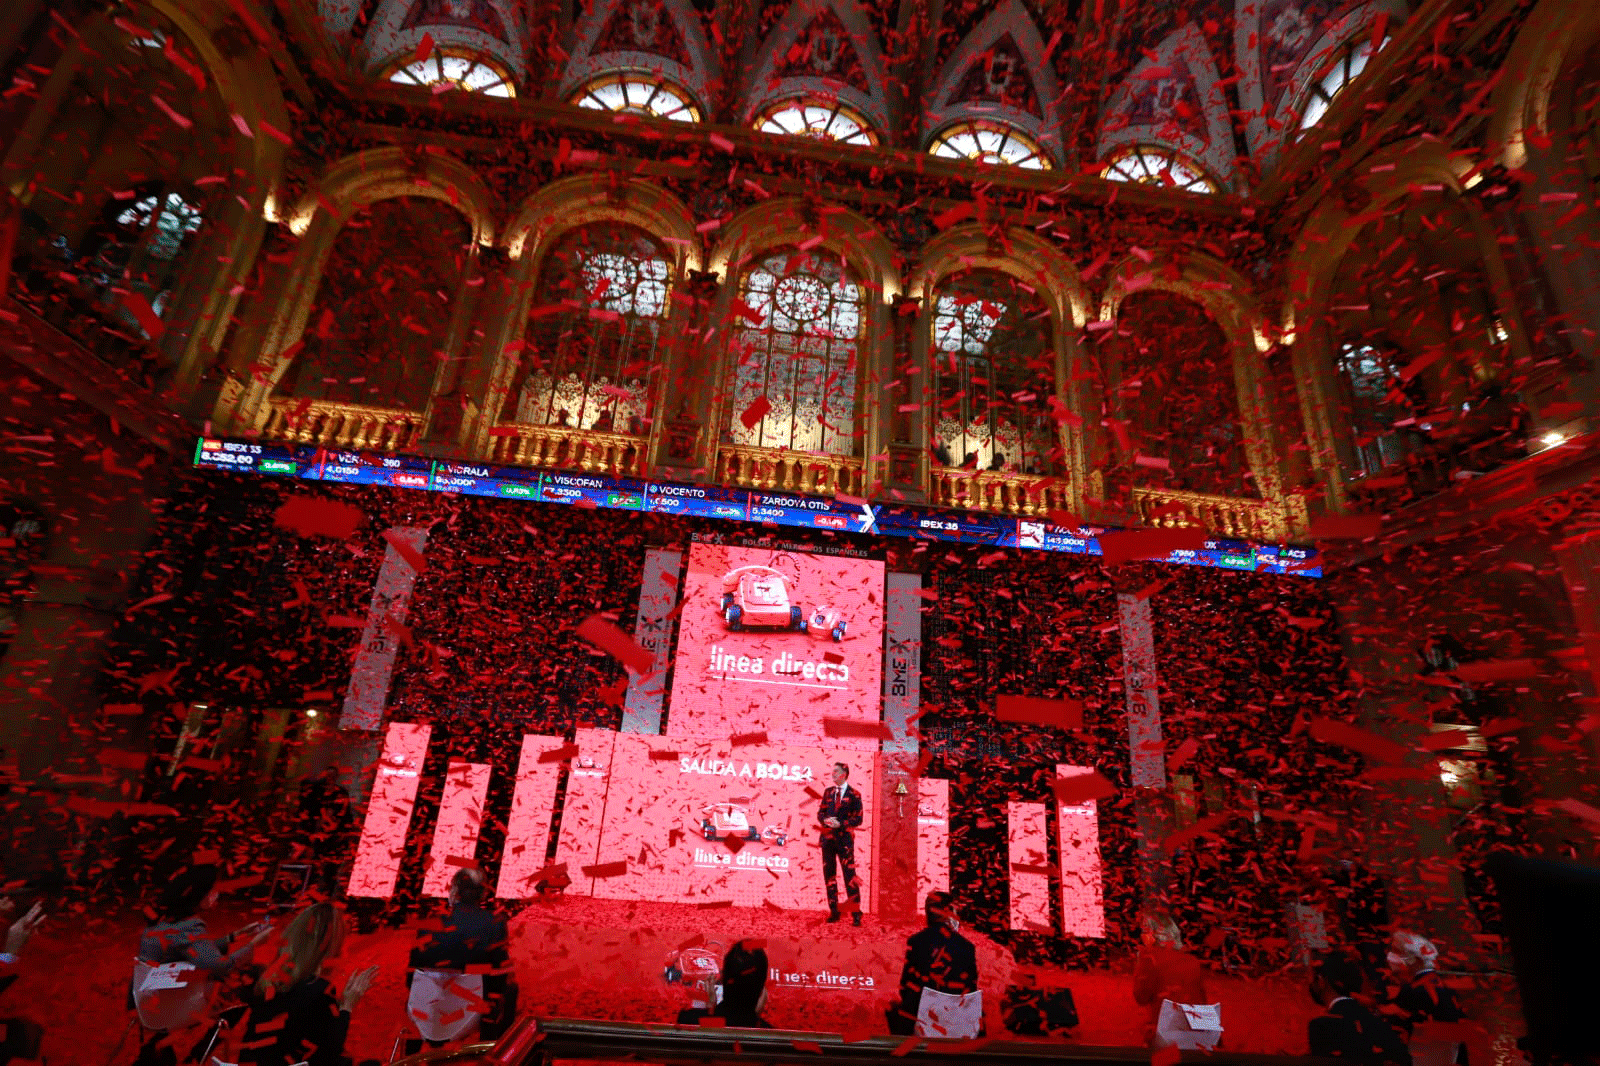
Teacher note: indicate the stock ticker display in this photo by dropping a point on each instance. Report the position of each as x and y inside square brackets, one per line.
[313, 463]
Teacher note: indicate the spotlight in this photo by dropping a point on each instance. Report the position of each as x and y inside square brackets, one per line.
[311, 713]
[1552, 438]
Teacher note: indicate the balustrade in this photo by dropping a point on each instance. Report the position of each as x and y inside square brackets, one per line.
[789, 471]
[1223, 516]
[332, 424]
[1024, 495]
[563, 447]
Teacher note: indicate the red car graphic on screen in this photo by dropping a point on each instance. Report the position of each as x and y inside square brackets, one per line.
[758, 597]
[719, 821]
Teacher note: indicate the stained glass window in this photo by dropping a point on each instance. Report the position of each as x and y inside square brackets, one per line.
[797, 339]
[994, 370]
[637, 93]
[821, 120]
[995, 143]
[1150, 165]
[594, 333]
[471, 73]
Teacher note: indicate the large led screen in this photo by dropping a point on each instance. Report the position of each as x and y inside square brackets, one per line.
[658, 818]
[779, 642]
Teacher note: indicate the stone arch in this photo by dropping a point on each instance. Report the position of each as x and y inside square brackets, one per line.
[764, 86]
[1329, 235]
[346, 187]
[247, 87]
[1227, 298]
[538, 225]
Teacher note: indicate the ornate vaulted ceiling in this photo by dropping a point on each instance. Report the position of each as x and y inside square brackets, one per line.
[1217, 80]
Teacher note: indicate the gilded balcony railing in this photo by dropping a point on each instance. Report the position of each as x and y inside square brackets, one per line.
[1223, 516]
[786, 471]
[341, 425]
[1028, 495]
[565, 448]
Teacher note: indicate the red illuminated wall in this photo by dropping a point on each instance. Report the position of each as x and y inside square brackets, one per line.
[933, 836]
[637, 809]
[528, 827]
[774, 679]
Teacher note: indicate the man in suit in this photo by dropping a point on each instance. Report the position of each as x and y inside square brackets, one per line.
[471, 940]
[840, 814]
[937, 957]
[1349, 1029]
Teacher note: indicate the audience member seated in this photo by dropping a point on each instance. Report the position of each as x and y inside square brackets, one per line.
[295, 1015]
[1165, 974]
[177, 960]
[744, 991]
[471, 942]
[1423, 1000]
[937, 957]
[1350, 1030]
[19, 1038]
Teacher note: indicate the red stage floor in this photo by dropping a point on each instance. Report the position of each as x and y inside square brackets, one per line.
[590, 958]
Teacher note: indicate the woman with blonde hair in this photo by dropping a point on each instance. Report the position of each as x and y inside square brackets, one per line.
[295, 1015]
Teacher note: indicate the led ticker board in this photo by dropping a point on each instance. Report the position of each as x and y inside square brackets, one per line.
[714, 501]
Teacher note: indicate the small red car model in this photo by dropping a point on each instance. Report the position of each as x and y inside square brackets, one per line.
[719, 820]
[757, 597]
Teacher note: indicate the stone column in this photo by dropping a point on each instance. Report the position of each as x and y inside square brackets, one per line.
[906, 442]
[683, 442]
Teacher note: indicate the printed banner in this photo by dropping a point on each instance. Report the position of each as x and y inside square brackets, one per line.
[902, 675]
[1145, 748]
[658, 595]
[374, 665]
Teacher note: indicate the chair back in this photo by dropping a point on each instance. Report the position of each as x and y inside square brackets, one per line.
[445, 1005]
[170, 995]
[954, 1017]
[1189, 1026]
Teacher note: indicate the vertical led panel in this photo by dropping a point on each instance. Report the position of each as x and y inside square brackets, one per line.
[532, 807]
[933, 837]
[394, 794]
[1028, 837]
[455, 834]
[1083, 910]
[583, 810]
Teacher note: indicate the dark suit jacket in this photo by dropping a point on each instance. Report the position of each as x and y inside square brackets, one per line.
[1350, 1031]
[1425, 998]
[846, 808]
[470, 936]
[937, 958]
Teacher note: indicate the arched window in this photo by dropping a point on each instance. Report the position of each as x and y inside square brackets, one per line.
[797, 342]
[594, 334]
[637, 93]
[994, 370]
[1347, 65]
[1147, 164]
[1373, 383]
[164, 223]
[462, 70]
[383, 308]
[995, 143]
[823, 120]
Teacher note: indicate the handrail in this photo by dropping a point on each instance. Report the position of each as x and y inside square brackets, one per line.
[536, 1042]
